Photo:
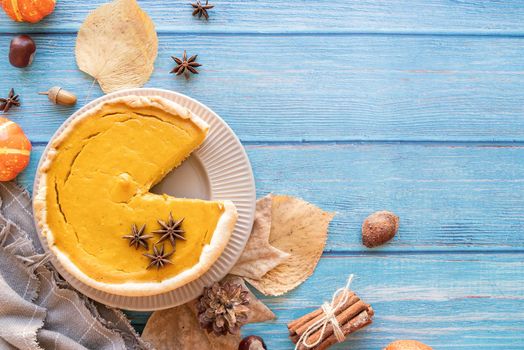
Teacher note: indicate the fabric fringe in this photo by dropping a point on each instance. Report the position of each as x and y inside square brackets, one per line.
[22, 248]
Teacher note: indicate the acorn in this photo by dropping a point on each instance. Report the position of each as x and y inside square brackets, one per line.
[60, 96]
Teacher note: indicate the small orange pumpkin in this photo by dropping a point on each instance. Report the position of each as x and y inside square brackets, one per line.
[28, 10]
[15, 149]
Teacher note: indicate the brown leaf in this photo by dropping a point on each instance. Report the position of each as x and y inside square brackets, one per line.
[300, 229]
[259, 256]
[178, 328]
[117, 45]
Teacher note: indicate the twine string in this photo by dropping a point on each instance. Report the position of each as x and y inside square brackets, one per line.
[329, 317]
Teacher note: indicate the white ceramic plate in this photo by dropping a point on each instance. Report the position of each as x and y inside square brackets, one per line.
[218, 170]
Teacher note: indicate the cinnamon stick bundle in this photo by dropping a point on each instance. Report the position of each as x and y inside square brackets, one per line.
[352, 315]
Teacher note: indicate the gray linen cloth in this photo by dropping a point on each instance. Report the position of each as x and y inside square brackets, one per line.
[38, 309]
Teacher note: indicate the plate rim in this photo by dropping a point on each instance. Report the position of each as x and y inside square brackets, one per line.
[162, 299]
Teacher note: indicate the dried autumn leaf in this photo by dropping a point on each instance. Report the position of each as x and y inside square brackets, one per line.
[300, 229]
[178, 328]
[259, 257]
[117, 45]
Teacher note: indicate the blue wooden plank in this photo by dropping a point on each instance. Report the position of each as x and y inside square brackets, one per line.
[449, 197]
[281, 88]
[449, 302]
[451, 71]
[436, 16]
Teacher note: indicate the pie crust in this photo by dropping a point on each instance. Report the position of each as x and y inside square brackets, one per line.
[43, 207]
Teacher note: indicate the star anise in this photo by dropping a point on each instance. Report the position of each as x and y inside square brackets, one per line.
[171, 230]
[137, 237]
[159, 258]
[11, 100]
[185, 66]
[201, 10]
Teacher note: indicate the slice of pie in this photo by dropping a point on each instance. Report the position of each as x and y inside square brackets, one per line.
[94, 186]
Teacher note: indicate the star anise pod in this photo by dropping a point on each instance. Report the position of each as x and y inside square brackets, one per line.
[137, 237]
[172, 229]
[11, 100]
[159, 258]
[223, 308]
[185, 66]
[201, 10]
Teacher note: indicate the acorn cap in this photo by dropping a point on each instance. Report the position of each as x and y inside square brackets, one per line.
[52, 93]
[60, 96]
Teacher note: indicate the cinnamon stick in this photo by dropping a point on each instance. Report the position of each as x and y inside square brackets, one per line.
[293, 325]
[299, 326]
[304, 327]
[353, 315]
[360, 321]
[345, 317]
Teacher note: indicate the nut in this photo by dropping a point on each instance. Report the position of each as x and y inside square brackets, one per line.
[21, 51]
[60, 96]
[407, 345]
[378, 228]
[252, 342]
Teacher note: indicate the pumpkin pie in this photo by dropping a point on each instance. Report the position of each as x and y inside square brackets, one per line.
[94, 189]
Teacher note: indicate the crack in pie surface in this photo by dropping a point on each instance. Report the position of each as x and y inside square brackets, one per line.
[94, 185]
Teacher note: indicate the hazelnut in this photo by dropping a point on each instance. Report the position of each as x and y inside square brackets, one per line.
[378, 228]
[21, 51]
[252, 342]
[407, 345]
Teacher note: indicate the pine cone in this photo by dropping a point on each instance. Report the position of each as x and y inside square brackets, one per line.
[222, 308]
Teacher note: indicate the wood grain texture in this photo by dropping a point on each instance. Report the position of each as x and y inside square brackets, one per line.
[282, 88]
[269, 16]
[447, 301]
[409, 105]
[457, 197]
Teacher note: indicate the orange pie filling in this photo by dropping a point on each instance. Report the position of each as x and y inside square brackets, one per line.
[97, 183]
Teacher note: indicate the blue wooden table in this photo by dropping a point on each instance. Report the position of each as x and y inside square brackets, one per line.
[408, 105]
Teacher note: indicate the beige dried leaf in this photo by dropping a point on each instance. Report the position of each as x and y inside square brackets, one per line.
[117, 45]
[300, 229]
[178, 328]
[259, 257]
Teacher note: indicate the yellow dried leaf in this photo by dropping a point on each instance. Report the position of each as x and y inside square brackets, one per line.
[117, 45]
[259, 257]
[300, 229]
